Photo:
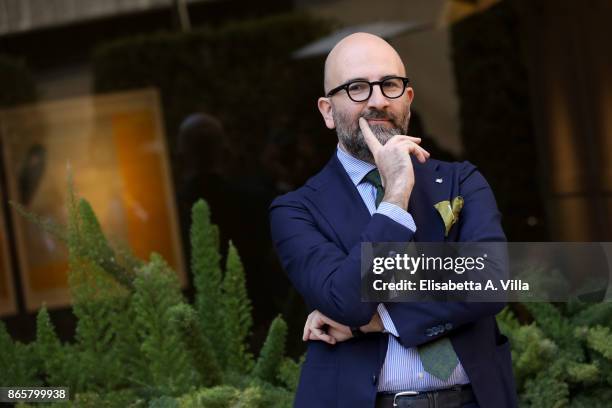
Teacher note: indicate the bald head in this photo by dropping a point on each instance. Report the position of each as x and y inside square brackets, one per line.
[360, 55]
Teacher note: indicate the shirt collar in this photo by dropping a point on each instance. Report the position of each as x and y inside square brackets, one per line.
[354, 167]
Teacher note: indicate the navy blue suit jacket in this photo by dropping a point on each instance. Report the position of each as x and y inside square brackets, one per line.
[317, 230]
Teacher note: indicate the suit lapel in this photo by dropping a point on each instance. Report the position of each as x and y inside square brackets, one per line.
[339, 202]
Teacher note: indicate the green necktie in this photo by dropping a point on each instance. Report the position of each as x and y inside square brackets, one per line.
[438, 357]
[373, 177]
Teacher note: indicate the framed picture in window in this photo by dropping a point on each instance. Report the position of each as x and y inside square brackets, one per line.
[114, 147]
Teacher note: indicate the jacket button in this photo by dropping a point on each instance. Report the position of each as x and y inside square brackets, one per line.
[374, 379]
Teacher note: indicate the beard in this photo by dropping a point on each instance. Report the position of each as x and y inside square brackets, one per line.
[351, 136]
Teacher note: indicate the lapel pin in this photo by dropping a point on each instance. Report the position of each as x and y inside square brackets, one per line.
[439, 180]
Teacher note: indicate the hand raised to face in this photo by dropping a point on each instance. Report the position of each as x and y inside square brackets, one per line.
[394, 164]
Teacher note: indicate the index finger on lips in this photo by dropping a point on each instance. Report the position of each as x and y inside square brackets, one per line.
[368, 135]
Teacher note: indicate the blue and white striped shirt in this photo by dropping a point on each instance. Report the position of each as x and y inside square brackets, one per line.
[402, 369]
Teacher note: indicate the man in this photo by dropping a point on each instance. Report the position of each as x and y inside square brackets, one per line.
[381, 186]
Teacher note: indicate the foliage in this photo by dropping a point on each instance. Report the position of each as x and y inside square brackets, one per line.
[272, 352]
[563, 357]
[205, 266]
[48, 350]
[289, 372]
[237, 314]
[166, 368]
[17, 363]
[138, 341]
[187, 325]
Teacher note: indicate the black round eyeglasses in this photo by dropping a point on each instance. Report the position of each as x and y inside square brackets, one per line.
[360, 90]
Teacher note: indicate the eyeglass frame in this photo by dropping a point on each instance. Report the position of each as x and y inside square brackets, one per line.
[345, 86]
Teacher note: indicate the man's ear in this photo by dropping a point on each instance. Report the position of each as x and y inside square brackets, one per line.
[409, 94]
[326, 109]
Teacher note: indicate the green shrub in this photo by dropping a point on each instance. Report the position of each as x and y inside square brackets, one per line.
[138, 342]
[563, 357]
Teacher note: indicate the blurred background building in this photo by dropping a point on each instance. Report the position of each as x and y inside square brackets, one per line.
[522, 89]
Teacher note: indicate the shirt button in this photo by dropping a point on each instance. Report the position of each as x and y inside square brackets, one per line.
[420, 375]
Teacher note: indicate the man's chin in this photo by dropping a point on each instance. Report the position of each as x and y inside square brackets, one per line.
[384, 133]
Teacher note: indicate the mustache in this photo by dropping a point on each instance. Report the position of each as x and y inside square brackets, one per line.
[377, 115]
[380, 115]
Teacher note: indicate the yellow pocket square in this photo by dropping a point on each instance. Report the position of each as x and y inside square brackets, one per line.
[449, 212]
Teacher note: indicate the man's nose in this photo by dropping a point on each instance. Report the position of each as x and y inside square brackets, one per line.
[377, 99]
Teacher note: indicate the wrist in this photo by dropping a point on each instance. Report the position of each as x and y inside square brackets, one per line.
[374, 326]
[357, 332]
[397, 198]
[398, 191]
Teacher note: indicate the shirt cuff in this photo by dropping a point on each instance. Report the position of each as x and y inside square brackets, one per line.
[397, 214]
[386, 320]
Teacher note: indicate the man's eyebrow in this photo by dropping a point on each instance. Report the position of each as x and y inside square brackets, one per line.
[389, 76]
[382, 78]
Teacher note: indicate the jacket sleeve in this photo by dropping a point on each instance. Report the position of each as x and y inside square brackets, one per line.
[328, 278]
[480, 221]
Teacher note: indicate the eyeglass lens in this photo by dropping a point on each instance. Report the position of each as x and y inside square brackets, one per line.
[360, 90]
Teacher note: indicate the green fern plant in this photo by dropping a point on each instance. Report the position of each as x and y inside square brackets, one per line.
[564, 357]
[138, 341]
